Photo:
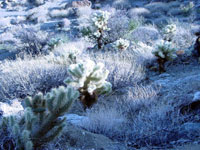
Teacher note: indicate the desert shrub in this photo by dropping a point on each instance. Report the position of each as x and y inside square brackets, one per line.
[56, 13]
[20, 78]
[120, 108]
[146, 34]
[38, 14]
[66, 52]
[143, 52]
[90, 79]
[111, 124]
[32, 42]
[183, 38]
[121, 26]
[164, 52]
[121, 4]
[157, 126]
[126, 68]
[40, 122]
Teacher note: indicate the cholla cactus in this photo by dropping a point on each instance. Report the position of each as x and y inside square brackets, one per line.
[121, 44]
[164, 52]
[99, 24]
[169, 32]
[41, 123]
[187, 10]
[90, 79]
[171, 28]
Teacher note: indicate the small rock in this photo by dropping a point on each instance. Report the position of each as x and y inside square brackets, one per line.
[164, 75]
[191, 128]
[196, 96]
[74, 137]
[193, 106]
[76, 119]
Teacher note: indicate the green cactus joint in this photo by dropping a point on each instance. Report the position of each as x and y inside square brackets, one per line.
[90, 79]
[41, 121]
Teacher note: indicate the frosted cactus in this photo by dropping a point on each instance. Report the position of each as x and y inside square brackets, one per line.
[90, 79]
[121, 44]
[40, 122]
[171, 28]
[164, 52]
[98, 25]
[187, 9]
[169, 32]
[100, 20]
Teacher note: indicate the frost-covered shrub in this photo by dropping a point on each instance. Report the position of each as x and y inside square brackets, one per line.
[90, 79]
[145, 34]
[32, 42]
[164, 52]
[121, 26]
[122, 108]
[66, 52]
[121, 44]
[121, 4]
[56, 13]
[99, 24]
[143, 52]
[20, 78]
[39, 14]
[40, 122]
[127, 68]
[111, 124]
[183, 37]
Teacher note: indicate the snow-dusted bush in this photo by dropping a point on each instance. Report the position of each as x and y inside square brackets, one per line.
[126, 69]
[90, 79]
[121, 44]
[120, 112]
[143, 52]
[108, 121]
[145, 34]
[99, 24]
[164, 52]
[120, 26]
[56, 13]
[39, 14]
[20, 78]
[32, 41]
[183, 37]
[66, 52]
[121, 4]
